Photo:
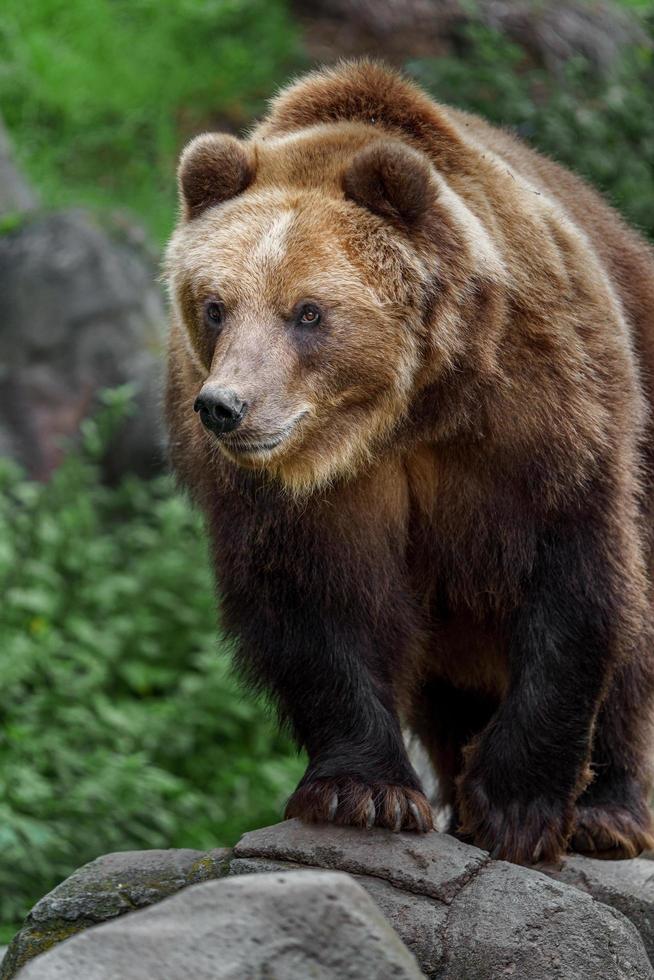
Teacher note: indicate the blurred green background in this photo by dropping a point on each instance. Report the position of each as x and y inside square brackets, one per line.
[120, 724]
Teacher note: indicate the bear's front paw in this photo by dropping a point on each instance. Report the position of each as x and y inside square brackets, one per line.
[612, 830]
[348, 801]
[523, 832]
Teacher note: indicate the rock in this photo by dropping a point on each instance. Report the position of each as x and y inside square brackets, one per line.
[554, 32]
[418, 920]
[551, 31]
[106, 888]
[625, 885]
[80, 311]
[488, 918]
[463, 916]
[15, 193]
[510, 923]
[435, 865]
[291, 926]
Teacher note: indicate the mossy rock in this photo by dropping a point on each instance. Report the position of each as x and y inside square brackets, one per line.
[106, 888]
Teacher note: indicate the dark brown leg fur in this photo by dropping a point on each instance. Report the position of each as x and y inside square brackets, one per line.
[612, 817]
[325, 631]
[445, 719]
[523, 774]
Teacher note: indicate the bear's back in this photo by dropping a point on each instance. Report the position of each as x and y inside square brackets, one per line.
[626, 255]
[466, 151]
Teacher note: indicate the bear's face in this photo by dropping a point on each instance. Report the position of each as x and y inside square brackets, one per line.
[301, 308]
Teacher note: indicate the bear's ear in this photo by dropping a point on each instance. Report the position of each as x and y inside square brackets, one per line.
[393, 181]
[213, 168]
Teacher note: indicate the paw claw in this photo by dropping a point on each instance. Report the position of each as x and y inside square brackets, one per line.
[420, 822]
[523, 832]
[612, 831]
[352, 802]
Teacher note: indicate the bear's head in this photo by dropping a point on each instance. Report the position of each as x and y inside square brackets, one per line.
[303, 273]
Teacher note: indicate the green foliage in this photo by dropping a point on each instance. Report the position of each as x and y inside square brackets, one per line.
[120, 724]
[602, 128]
[11, 221]
[99, 94]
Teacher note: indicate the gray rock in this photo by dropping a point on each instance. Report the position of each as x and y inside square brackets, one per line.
[418, 920]
[512, 922]
[287, 926]
[625, 885]
[15, 193]
[80, 311]
[463, 916]
[106, 888]
[552, 31]
[475, 919]
[555, 31]
[434, 865]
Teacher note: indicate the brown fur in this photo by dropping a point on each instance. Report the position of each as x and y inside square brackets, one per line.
[466, 446]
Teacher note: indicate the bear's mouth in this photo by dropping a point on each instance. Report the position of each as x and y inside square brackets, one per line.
[246, 448]
[235, 445]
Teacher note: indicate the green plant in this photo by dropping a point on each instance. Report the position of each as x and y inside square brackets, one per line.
[11, 221]
[602, 128]
[120, 723]
[100, 94]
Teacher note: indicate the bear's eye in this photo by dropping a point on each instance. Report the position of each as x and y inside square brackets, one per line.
[214, 313]
[309, 315]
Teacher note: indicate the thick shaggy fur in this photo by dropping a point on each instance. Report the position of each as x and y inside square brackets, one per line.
[454, 531]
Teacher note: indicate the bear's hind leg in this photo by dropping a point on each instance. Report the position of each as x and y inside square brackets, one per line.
[445, 718]
[612, 816]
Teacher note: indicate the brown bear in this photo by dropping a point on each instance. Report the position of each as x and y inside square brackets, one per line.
[410, 373]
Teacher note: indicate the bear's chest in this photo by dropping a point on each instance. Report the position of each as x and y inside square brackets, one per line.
[468, 540]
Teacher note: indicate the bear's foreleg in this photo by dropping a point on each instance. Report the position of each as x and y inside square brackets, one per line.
[325, 631]
[358, 773]
[523, 774]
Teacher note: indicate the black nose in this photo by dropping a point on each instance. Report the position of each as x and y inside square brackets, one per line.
[221, 410]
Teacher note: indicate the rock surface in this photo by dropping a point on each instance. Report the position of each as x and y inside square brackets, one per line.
[80, 311]
[625, 885]
[552, 31]
[106, 888]
[463, 916]
[486, 919]
[291, 926]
